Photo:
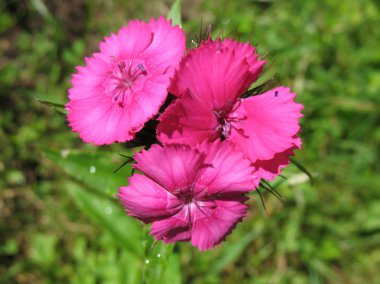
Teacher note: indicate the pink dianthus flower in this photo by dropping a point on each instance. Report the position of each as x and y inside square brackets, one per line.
[122, 86]
[190, 194]
[209, 85]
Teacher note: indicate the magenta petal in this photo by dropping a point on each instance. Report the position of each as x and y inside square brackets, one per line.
[216, 77]
[97, 121]
[267, 124]
[89, 79]
[130, 41]
[228, 171]
[148, 201]
[187, 121]
[173, 229]
[146, 101]
[101, 121]
[175, 168]
[242, 50]
[212, 225]
[167, 46]
[269, 169]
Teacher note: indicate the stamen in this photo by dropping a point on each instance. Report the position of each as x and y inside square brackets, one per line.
[227, 117]
[240, 131]
[122, 80]
[142, 69]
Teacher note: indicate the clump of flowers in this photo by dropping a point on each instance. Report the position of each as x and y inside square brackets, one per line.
[209, 87]
[215, 140]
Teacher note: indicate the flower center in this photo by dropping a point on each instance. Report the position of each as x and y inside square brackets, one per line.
[191, 202]
[226, 117]
[185, 194]
[123, 80]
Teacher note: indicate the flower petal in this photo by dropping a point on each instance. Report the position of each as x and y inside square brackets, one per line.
[129, 42]
[97, 120]
[212, 225]
[187, 121]
[101, 121]
[167, 46]
[216, 76]
[147, 102]
[268, 125]
[228, 171]
[174, 167]
[147, 200]
[242, 50]
[173, 229]
[269, 169]
[89, 79]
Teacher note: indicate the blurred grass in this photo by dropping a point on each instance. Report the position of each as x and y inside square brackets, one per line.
[327, 51]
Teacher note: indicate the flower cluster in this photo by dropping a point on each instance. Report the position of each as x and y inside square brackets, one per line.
[213, 143]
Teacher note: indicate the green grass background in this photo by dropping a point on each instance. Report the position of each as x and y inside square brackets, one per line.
[59, 220]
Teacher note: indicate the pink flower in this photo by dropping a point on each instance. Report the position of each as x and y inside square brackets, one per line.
[209, 84]
[123, 85]
[190, 194]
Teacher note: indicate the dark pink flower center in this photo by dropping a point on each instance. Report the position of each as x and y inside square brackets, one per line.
[192, 202]
[227, 119]
[185, 194]
[123, 80]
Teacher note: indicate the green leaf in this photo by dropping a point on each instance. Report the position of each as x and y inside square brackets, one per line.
[126, 231]
[175, 13]
[93, 168]
[303, 169]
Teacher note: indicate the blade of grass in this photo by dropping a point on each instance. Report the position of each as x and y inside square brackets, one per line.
[303, 169]
[262, 200]
[264, 184]
[175, 13]
[57, 106]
